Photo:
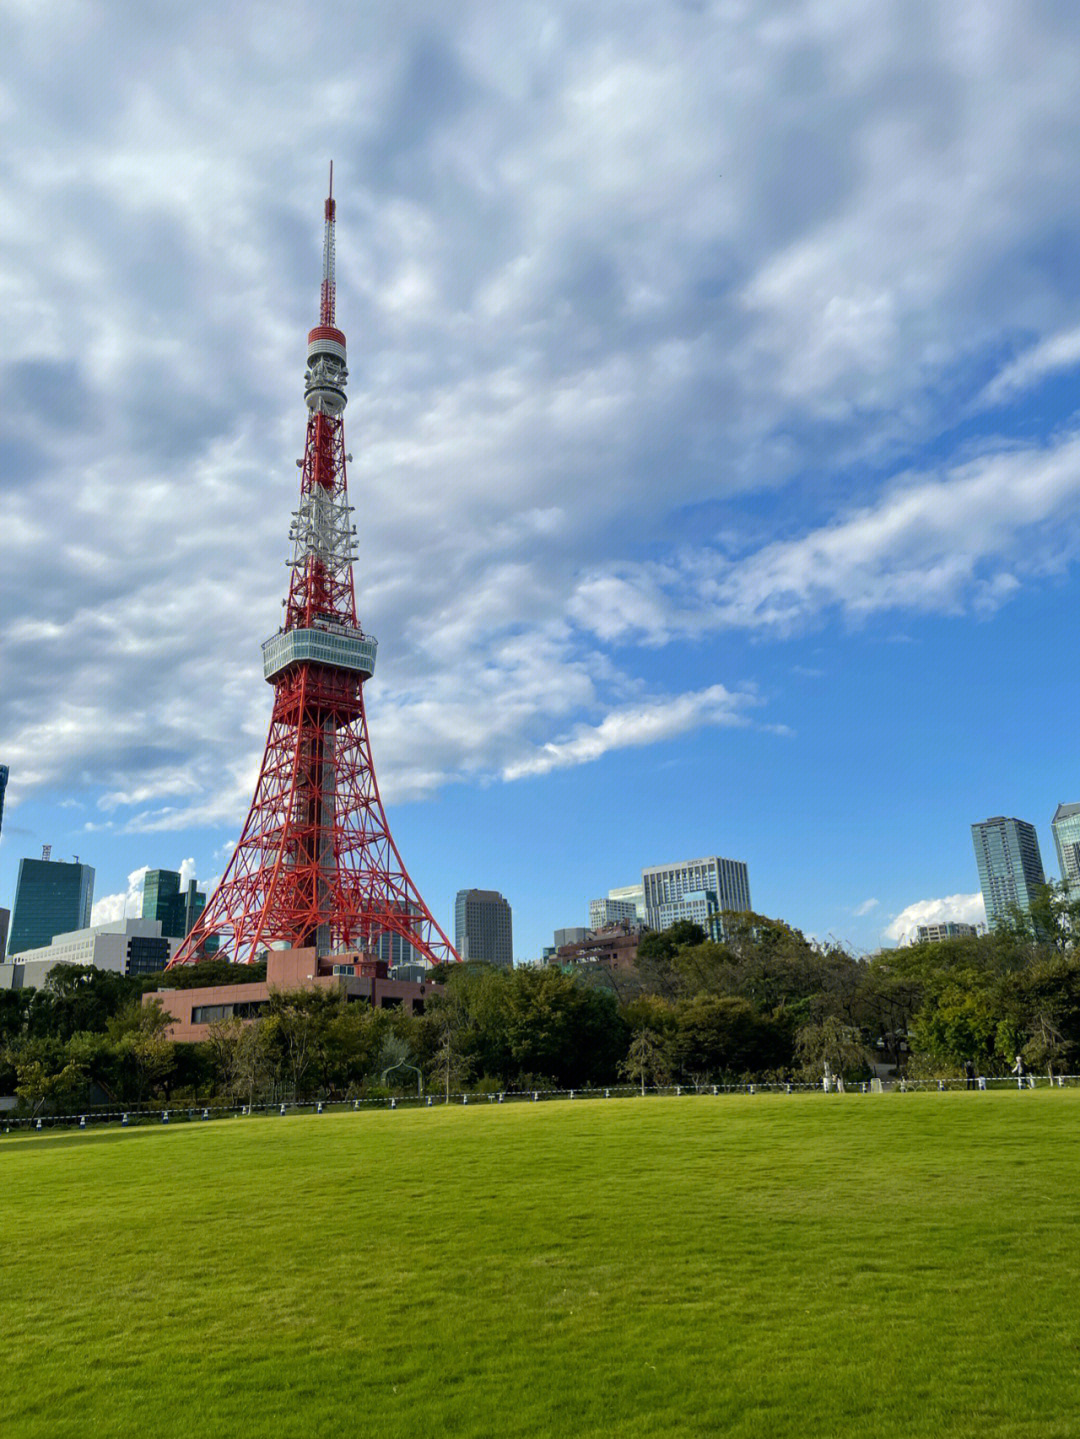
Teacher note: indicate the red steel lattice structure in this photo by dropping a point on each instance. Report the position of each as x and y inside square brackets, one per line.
[315, 865]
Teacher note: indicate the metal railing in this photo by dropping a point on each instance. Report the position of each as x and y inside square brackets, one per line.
[141, 1116]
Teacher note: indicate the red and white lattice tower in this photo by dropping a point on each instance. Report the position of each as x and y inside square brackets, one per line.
[316, 865]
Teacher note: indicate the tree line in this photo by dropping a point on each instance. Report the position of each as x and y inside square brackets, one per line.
[764, 1003]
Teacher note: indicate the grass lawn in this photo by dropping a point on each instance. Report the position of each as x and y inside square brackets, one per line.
[890, 1266]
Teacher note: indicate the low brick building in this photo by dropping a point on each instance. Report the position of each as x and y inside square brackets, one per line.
[358, 976]
[614, 947]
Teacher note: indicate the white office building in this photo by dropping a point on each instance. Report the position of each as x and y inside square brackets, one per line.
[603, 912]
[696, 890]
[125, 946]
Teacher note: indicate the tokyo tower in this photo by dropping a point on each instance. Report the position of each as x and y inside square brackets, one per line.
[316, 866]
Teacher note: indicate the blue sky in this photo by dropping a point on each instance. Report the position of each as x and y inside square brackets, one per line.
[713, 405]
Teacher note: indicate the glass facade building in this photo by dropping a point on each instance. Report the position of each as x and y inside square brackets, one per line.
[3, 791]
[51, 897]
[164, 900]
[1066, 826]
[483, 927]
[1010, 866]
[395, 950]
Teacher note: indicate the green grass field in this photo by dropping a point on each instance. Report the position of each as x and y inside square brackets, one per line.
[777, 1266]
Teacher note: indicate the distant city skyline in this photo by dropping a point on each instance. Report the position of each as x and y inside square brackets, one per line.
[714, 423]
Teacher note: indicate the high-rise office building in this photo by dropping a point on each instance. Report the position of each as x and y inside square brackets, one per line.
[3, 791]
[164, 900]
[630, 894]
[483, 927]
[698, 890]
[1010, 865]
[51, 897]
[1066, 827]
[603, 912]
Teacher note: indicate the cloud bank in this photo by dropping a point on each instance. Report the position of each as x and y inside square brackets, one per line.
[661, 319]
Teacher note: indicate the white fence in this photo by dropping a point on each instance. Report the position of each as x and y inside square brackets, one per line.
[196, 1114]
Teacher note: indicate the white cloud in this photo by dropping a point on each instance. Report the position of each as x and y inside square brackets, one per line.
[645, 723]
[933, 544]
[865, 907]
[125, 905]
[1049, 357]
[961, 908]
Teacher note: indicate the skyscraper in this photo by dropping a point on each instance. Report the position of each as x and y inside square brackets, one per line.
[3, 791]
[1010, 865]
[483, 927]
[1066, 827]
[51, 897]
[697, 890]
[163, 899]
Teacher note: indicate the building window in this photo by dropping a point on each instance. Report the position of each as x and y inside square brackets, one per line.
[210, 1013]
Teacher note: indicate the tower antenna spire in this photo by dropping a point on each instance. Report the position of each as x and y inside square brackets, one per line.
[327, 297]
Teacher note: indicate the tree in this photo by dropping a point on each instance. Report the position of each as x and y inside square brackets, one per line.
[560, 1029]
[832, 1043]
[252, 1060]
[297, 1027]
[76, 998]
[40, 1085]
[717, 1035]
[644, 1060]
[657, 955]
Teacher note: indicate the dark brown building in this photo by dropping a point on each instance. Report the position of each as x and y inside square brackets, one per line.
[614, 947]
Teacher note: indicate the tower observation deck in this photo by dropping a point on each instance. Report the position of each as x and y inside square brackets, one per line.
[315, 865]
